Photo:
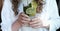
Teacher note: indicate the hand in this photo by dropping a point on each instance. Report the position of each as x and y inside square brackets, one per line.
[37, 23]
[24, 18]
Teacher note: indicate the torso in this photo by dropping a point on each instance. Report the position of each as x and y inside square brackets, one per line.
[25, 28]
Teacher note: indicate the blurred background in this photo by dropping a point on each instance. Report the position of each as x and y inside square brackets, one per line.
[1, 4]
[1, 1]
[58, 3]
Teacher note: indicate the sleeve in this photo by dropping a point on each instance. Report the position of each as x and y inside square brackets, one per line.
[7, 16]
[54, 19]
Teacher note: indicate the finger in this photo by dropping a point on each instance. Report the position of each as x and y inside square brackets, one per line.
[21, 13]
[35, 22]
[24, 15]
[35, 19]
[25, 19]
[36, 25]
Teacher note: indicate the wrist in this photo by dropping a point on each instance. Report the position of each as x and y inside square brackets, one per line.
[16, 25]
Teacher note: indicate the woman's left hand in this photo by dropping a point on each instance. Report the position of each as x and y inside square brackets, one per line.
[37, 23]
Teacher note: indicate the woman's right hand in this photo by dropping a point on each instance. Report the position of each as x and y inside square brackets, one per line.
[23, 18]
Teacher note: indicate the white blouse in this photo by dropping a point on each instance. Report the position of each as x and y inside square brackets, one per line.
[49, 13]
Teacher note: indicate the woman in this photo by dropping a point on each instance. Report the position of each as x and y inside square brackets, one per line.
[13, 18]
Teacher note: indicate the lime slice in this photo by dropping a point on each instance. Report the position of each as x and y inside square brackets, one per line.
[31, 11]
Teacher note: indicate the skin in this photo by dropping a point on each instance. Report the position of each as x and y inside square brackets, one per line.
[24, 19]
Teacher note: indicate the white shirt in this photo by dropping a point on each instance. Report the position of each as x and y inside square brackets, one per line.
[49, 13]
